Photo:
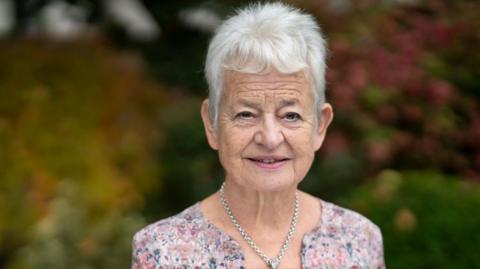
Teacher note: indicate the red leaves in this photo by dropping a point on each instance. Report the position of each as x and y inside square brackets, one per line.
[440, 92]
[392, 74]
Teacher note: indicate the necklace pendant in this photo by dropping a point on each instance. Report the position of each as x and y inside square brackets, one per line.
[273, 263]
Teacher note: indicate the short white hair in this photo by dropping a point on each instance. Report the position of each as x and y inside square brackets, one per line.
[260, 37]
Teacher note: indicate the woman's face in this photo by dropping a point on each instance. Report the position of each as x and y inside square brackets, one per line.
[267, 130]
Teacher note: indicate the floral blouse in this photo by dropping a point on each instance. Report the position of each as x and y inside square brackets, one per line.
[342, 239]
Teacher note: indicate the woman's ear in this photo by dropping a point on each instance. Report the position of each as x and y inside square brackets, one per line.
[209, 129]
[325, 118]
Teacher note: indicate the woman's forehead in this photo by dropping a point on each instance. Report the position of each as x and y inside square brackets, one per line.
[272, 77]
[271, 84]
[283, 95]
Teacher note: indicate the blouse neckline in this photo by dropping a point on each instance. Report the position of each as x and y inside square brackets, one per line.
[321, 221]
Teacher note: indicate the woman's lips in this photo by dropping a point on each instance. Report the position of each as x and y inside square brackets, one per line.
[269, 163]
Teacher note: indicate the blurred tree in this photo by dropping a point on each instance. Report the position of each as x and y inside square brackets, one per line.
[28, 10]
[176, 57]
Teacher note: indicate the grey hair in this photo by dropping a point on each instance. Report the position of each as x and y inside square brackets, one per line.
[259, 37]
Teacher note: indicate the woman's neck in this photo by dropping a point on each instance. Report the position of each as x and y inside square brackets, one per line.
[260, 211]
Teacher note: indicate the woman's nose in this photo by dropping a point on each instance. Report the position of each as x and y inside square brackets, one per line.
[269, 133]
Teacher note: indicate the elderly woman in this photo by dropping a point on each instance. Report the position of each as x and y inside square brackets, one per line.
[266, 117]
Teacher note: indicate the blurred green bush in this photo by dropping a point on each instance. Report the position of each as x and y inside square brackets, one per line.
[428, 220]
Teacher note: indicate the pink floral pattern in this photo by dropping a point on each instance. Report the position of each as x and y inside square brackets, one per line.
[342, 239]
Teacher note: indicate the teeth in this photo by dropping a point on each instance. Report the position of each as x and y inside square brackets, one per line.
[269, 161]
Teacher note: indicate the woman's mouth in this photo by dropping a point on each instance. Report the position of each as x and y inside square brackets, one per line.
[269, 162]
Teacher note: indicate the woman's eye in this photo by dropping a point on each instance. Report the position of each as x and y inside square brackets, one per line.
[292, 116]
[245, 115]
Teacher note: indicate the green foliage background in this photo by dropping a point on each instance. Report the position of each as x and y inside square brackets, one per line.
[100, 137]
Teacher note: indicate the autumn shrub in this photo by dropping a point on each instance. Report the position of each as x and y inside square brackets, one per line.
[79, 113]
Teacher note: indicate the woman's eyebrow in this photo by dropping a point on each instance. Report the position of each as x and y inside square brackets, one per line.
[288, 102]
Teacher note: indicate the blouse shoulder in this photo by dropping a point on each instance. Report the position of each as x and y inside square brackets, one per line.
[172, 228]
[345, 237]
[186, 240]
[154, 245]
[336, 216]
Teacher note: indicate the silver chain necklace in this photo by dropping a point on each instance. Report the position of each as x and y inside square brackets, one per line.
[271, 262]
